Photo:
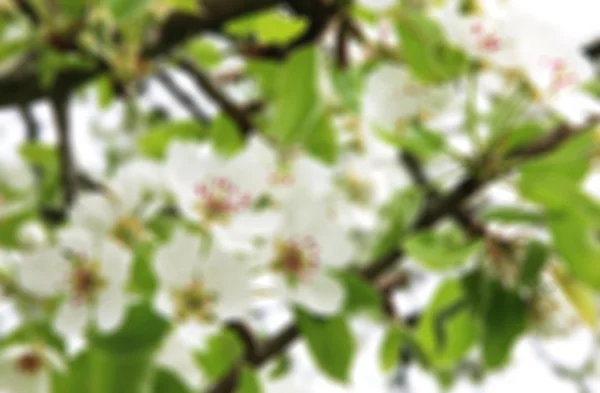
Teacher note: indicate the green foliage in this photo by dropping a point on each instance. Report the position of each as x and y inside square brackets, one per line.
[270, 27]
[225, 136]
[426, 51]
[248, 382]
[507, 214]
[204, 52]
[166, 382]
[299, 115]
[441, 250]
[447, 329]
[536, 256]
[360, 295]
[503, 322]
[581, 296]
[330, 342]
[223, 351]
[155, 142]
[396, 217]
[391, 346]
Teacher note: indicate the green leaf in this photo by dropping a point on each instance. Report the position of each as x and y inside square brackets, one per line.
[535, 259]
[296, 96]
[574, 231]
[396, 216]
[248, 382]
[225, 136]
[564, 169]
[447, 331]
[425, 50]
[581, 296]
[9, 49]
[166, 382]
[185, 6]
[513, 215]
[330, 342]
[391, 346]
[106, 93]
[204, 52]
[115, 372]
[143, 329]
[441, 250]
[321, 140]
[124, 10]
[269, 27]
[360, 295]
[504, 321]
[155, 142]
[144, 279]
[223, 351]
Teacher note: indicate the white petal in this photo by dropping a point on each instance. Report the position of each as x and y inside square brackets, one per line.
[93, 211]
[115, 262]
[71, 319]
[335, 247]
[78, 240]
[176, 262]
[163, 303]
[230, 279]
[176, 356]
[44, 272]
[110, 310]
[244, 227]
[321, 294]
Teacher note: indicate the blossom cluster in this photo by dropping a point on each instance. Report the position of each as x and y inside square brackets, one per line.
[221, 233]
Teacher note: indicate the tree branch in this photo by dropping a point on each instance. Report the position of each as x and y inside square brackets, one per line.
[68, 178]
[237, 114]
[184, 98]
[22, 83]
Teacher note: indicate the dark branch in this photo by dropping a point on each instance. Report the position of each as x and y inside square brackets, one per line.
[68, 177]
[237, 114]
[184, 98]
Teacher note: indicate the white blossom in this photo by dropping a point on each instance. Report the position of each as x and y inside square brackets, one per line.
[91, 273]
[27, 369]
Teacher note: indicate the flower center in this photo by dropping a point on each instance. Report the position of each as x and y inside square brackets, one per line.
[30, 363]
[296, 259]
[86, 282]
[357, 189]
[195, 302]
[128, 230]
[220, 198]
[485, 40]
[562, 76]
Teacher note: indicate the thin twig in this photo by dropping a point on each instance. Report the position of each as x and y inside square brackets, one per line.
[68, 178]
[184, 98]
[237, 114]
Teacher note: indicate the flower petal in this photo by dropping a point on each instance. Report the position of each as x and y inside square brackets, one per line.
[176, 262]
[93, 211]
[44, 272]
[115, 262]
[71, 319]
[321, 294]
[110, 309]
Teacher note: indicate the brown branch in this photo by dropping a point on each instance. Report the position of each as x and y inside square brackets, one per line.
[237, 114]
[22, 83]
[184, 98]
[68, 178]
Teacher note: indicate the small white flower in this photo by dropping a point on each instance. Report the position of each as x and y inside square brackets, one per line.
[302, 172]
[27, 369]
[201, 288]
[15, 174]
[219, 194]
[132, 196]
[393, 97]
[91, 272]
[307, 243]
